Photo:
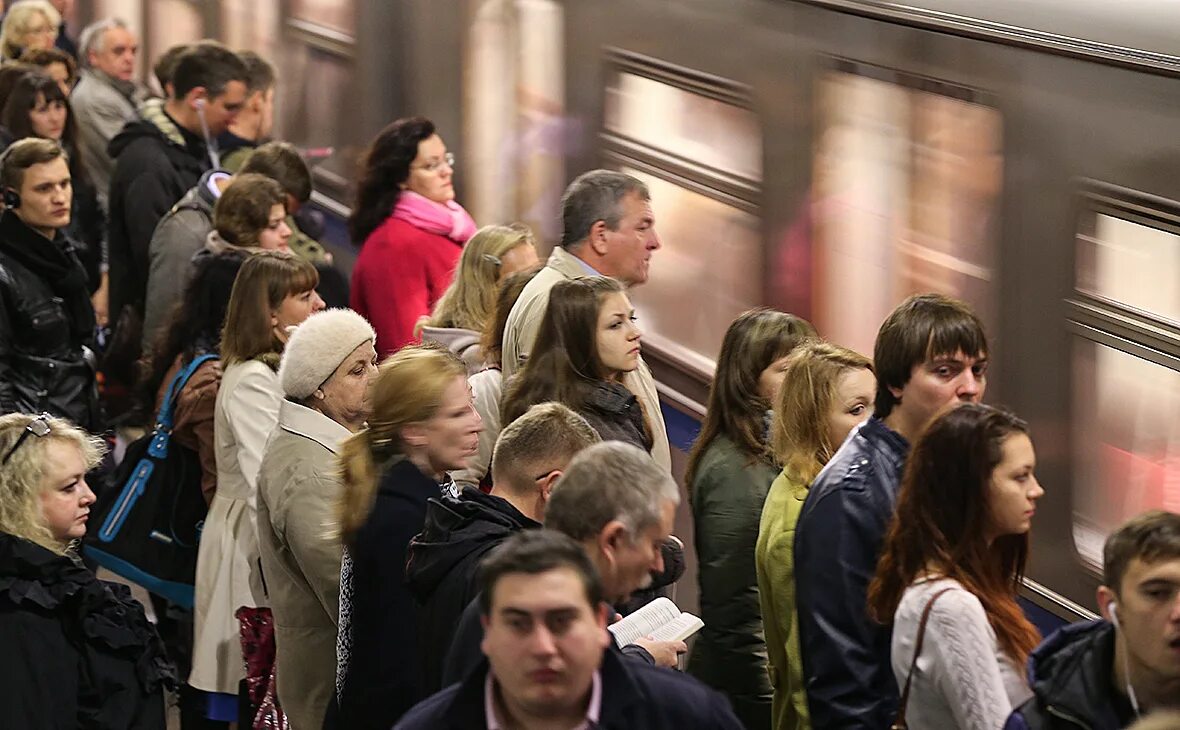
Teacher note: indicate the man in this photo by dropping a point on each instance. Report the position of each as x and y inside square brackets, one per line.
[253, 125]
[158, 159]
[1105, 674]
[619, 505]
[530, 456]
[548, 664]
[931, 352]
[106, 96]
[609, 230]
[46, 319]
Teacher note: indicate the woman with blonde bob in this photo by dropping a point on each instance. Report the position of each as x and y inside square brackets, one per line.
[78, 652]
[465, 308]
[28, 24]
[828, 391]
[273, 292]
[422, 425]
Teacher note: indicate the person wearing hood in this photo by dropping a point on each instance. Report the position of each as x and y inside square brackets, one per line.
[530, 456]
[157, 160]
[1103, 675]
[46, 318]
[325, 373]
[730, 470]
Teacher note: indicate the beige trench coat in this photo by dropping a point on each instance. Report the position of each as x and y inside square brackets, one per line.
[521, 332]
[297, 492]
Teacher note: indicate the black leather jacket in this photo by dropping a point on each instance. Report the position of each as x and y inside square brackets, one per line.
[848, 677]
[44, 364]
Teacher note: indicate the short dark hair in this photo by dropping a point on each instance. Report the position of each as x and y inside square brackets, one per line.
[165, 65]
[385, 167]
[1152, 536]
[595, 196]
[260, 74]
[210, 65]
[922, 327]
[533, 552]
[22, 99]
[281, 162]
[23, 154]
[243, 210]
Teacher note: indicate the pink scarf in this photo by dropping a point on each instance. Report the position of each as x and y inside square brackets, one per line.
[446, 219]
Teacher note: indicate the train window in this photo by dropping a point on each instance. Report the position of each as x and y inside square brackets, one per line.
[1131, 263]
[1126, 442]
[906, 180]
[252, 24]
[694, 127]
[338, 15]
[321, 119]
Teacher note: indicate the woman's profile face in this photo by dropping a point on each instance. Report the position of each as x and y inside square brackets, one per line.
[40, 34]
[276, 234]
[1014, 489]
[617, 335]
[345, 395]
[65, 496]
[851, 404]
[451, 436]
[48, 118]
[431, 175]
[293, 310]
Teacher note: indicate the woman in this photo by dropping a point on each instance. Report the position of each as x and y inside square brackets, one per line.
[78, 652]
[36, 107]
[411, 229]
[273, 292]
[57, 64]
[250, 214]
[729, 472]
[828, 391]
[587, 341]
[325, 373]
[28, 24]
[487, 384]
[956, 549]
[464, 311]
[422, 425]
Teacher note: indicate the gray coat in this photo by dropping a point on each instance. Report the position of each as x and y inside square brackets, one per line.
[101, 106]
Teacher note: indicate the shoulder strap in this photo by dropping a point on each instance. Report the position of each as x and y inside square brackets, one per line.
[899, 723]
[164, 420]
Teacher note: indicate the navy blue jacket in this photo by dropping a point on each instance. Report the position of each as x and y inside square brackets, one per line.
[848, 677]
[1070, 676]
[635, 696]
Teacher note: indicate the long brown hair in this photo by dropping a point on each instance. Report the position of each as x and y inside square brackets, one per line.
[736, 409]
[491, 343]
[942, 517]
[263, 282]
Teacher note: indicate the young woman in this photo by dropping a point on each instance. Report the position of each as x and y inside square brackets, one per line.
[78, 652]
[729, 472]
[957, 548]
[57, 64]
[421, 426]
[828, 390]
[588, 340]
[464, 311]
[250, 214]
[411, 229]
[274, 291]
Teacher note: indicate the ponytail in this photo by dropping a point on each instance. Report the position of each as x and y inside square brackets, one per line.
[358, 478]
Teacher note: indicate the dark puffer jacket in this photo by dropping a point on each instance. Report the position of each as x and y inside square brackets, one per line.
[616, 415]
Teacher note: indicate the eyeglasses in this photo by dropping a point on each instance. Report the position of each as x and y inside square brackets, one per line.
[38, 427]
[448, 159]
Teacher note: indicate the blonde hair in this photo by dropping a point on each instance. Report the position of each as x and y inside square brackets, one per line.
[408, 389]
[263, 282]
[22, 479]
[469, 300]
[17, 22]
[800, 432]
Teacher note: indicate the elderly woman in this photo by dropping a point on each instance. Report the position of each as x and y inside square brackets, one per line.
[78, 652]
[28, 24]
[324, 374]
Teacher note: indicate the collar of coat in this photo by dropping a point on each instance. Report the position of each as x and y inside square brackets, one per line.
[312, 424]
[566, 264]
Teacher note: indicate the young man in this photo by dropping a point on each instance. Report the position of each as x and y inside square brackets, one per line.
[930, 353]
[1106, 674]
[46, 318]
[548, 664]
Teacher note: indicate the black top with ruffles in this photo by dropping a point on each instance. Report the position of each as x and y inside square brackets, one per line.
[78, 652]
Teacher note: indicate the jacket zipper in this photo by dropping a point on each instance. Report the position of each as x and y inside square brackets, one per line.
[1067, 717]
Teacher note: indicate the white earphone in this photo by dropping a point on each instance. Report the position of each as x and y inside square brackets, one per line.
[1114, 619]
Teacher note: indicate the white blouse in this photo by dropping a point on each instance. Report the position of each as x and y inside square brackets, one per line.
[963, 679]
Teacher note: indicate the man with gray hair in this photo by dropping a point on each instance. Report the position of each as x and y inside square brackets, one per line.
[106, 95]
[608, 229]
[619, 506]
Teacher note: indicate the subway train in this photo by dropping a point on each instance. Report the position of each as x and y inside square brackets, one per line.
[825, 157]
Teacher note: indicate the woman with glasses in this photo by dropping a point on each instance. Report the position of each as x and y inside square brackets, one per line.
[78, 652]
[28, 24]
[411, 229]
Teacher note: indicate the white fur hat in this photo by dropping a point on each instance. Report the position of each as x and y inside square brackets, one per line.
[318, 346]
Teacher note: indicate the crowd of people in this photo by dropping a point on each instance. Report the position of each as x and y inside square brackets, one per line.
[440, 481]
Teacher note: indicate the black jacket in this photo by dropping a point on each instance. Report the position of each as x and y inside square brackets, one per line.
[1070, 676]
[78, 652]
[443, 565]
[849, 681]
[381, 681]
[635, 696]
[156, 162]
[616, 415]
[46, 327]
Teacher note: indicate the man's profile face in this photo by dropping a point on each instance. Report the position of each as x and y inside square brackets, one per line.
[636, 557]
[45, 196]
[117, 57]
[221, 110]
[544, 641]
[1149, 617]
[629, 248]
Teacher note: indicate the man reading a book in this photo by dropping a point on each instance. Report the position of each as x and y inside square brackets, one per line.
[548, 665]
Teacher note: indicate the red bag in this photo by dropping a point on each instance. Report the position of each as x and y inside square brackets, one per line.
[258, 649]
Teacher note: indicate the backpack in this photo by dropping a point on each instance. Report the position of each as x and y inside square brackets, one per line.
[151, 513]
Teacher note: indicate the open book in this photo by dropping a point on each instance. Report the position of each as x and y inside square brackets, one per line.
[660, 619]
